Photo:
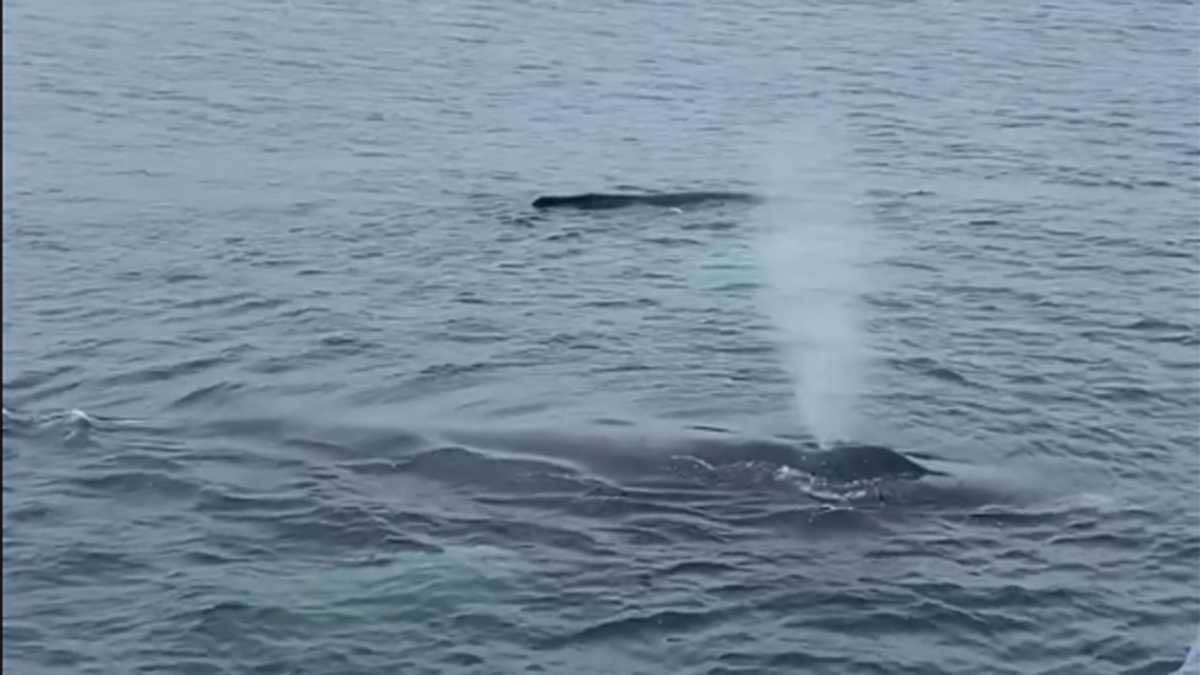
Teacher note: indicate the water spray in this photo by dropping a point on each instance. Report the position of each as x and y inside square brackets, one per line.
[811, 249]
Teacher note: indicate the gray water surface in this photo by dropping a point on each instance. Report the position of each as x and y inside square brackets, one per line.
[259, 255]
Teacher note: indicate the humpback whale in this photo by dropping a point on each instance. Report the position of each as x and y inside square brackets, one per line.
[593, 201]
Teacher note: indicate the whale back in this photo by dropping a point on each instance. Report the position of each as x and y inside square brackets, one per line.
[853, 462]
[588, 200]
[602, 200]
[843, 463]
[615, 454]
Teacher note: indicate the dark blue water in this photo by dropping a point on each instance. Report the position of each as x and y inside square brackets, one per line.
[296, 381]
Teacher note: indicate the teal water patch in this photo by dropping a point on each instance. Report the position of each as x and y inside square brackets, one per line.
[412, 607]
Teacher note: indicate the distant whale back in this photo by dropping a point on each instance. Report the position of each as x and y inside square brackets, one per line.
[604, 200]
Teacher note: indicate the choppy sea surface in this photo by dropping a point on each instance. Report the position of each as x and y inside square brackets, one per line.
[295, 380]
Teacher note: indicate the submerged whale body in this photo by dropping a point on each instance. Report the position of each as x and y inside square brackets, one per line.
[642, 454]
[649, 456]
[593, 201]
[636, 457]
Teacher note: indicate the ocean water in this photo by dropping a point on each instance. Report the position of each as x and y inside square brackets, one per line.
[296, 381]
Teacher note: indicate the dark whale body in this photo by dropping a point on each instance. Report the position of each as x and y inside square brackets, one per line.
[646, 455]
[636, 457]
[593, 201]
[843, 463]
[641, 454]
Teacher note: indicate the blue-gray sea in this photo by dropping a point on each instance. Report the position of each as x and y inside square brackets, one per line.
[296, 380]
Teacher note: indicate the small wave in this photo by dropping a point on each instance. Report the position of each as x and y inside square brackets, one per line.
[76, 416]
[78, 564]
[644, 625]
[137, 485]
[697, 567]
[453, 369]
[621, 303]
[181, 277]
[74, 425]
[161, 373]
[214, 300]
[1125, 394]
[736, 287]
[931, 368]
[34, 378]
[217, 392]
[673, 242]
[948, 375]
[711, 226]
[1152, 324]
[302, 523]
[1163, 331]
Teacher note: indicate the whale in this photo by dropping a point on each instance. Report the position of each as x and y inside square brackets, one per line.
[594, 201]
[844, 472]
[647, 453]
[653, 454]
